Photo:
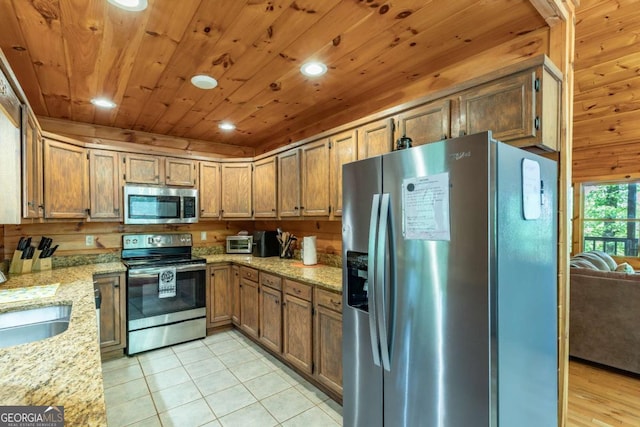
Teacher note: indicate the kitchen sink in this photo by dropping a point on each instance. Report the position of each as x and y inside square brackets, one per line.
[34, 324]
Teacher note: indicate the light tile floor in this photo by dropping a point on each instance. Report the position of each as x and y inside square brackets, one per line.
[222, 380]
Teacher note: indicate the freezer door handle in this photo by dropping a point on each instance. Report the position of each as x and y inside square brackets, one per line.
[381, 285]
[371, 278]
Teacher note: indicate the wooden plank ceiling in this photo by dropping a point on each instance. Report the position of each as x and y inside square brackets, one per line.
[65, 52]
[606, 122]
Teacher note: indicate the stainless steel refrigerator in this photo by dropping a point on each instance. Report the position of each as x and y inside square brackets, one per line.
[450, 272]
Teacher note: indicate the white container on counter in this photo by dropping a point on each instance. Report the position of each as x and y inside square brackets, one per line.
[309, 256]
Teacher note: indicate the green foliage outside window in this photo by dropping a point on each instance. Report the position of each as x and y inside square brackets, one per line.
[610, 221]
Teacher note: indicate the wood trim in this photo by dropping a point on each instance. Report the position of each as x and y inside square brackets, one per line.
[562, 52]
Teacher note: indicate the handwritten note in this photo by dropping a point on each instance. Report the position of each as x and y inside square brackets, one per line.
[531, 189]
[425, 208]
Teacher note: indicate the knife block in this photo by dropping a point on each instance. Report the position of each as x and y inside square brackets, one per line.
[40, 264]
[19, 265]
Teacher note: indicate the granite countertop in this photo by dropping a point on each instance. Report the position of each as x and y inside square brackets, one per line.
[65, 369]
[322, 276]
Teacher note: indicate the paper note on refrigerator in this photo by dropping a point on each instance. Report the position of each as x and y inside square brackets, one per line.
[425, 208]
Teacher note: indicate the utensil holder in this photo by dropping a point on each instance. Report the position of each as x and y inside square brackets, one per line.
[19, 265]
[41, 264]
[286, 251]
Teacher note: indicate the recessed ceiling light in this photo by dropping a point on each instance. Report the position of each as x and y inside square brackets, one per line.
[313, 69]
[203, 81]
[226, 126]
[131, 5]
[103, 102]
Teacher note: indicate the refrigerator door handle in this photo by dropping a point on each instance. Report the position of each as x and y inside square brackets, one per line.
[381, 285]
[371, 273]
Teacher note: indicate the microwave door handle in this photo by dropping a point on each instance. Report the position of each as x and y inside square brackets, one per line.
[371, 273]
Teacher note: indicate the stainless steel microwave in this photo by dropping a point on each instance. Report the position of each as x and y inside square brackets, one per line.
[160, 205]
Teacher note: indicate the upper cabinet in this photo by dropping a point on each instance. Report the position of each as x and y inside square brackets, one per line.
[10, 207]
[66, 180]
[375, 138]
[289, 183]
[181, 172]
[264, 188]
[209, 190]
[104, 185]
[32, 192]
[315, 177]
[343, 150]
[522, 109]
[427, 123]
[143, 169]
[236, 190]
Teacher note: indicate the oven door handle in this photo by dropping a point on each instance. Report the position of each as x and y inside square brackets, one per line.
[153, 271]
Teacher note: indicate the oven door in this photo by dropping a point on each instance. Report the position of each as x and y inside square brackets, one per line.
[149, 304]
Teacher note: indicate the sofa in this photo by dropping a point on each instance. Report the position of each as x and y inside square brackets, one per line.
[604, 321]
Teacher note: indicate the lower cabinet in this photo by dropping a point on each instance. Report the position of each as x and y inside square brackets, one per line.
[297, 322]
[327, 339]
[218, 295]
[113, 332]
[271, 311]
[297, 325]
[249, 302]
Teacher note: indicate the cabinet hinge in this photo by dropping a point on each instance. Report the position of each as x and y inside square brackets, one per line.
[536, 84]
[313, 367]
[87, 156]
[313, 311]
[393, 127]
[251, 168]
[251, 212]
[329, 209]
[124, 177]
[330, 145]
[124, 159]
[536, 123]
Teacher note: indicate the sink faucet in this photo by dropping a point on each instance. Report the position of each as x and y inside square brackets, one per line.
[3, 278]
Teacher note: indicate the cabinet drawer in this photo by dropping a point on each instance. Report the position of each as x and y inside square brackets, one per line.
[297, 289]
[270, 280]
[331, 300]
[249, 274]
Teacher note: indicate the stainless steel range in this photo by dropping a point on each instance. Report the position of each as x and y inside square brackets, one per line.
[166, 288]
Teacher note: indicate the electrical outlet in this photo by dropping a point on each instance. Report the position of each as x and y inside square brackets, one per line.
[203, 235]
[88, 240]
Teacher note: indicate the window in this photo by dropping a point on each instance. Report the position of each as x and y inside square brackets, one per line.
[611, 221]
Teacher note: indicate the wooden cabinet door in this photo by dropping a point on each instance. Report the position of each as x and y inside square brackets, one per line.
[235, 295]
[343, 150]
[249, 307]
[236, 190]
[327, 344]
[426, 123]
[66, 180]
[113, 333]
[505, 106]
[180, 172]
[289, 184]
[315, 178]
[218, 295]
[264, 188]
[271, 318]
[104, 185]
[375, 138]
[297, 326]
[142, 169]
[32, 195]
[209, 191]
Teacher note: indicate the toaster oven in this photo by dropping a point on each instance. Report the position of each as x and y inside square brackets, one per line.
[239, 244]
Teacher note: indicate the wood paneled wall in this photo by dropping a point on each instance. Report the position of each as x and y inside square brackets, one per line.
[606, 143]
[71, 236]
